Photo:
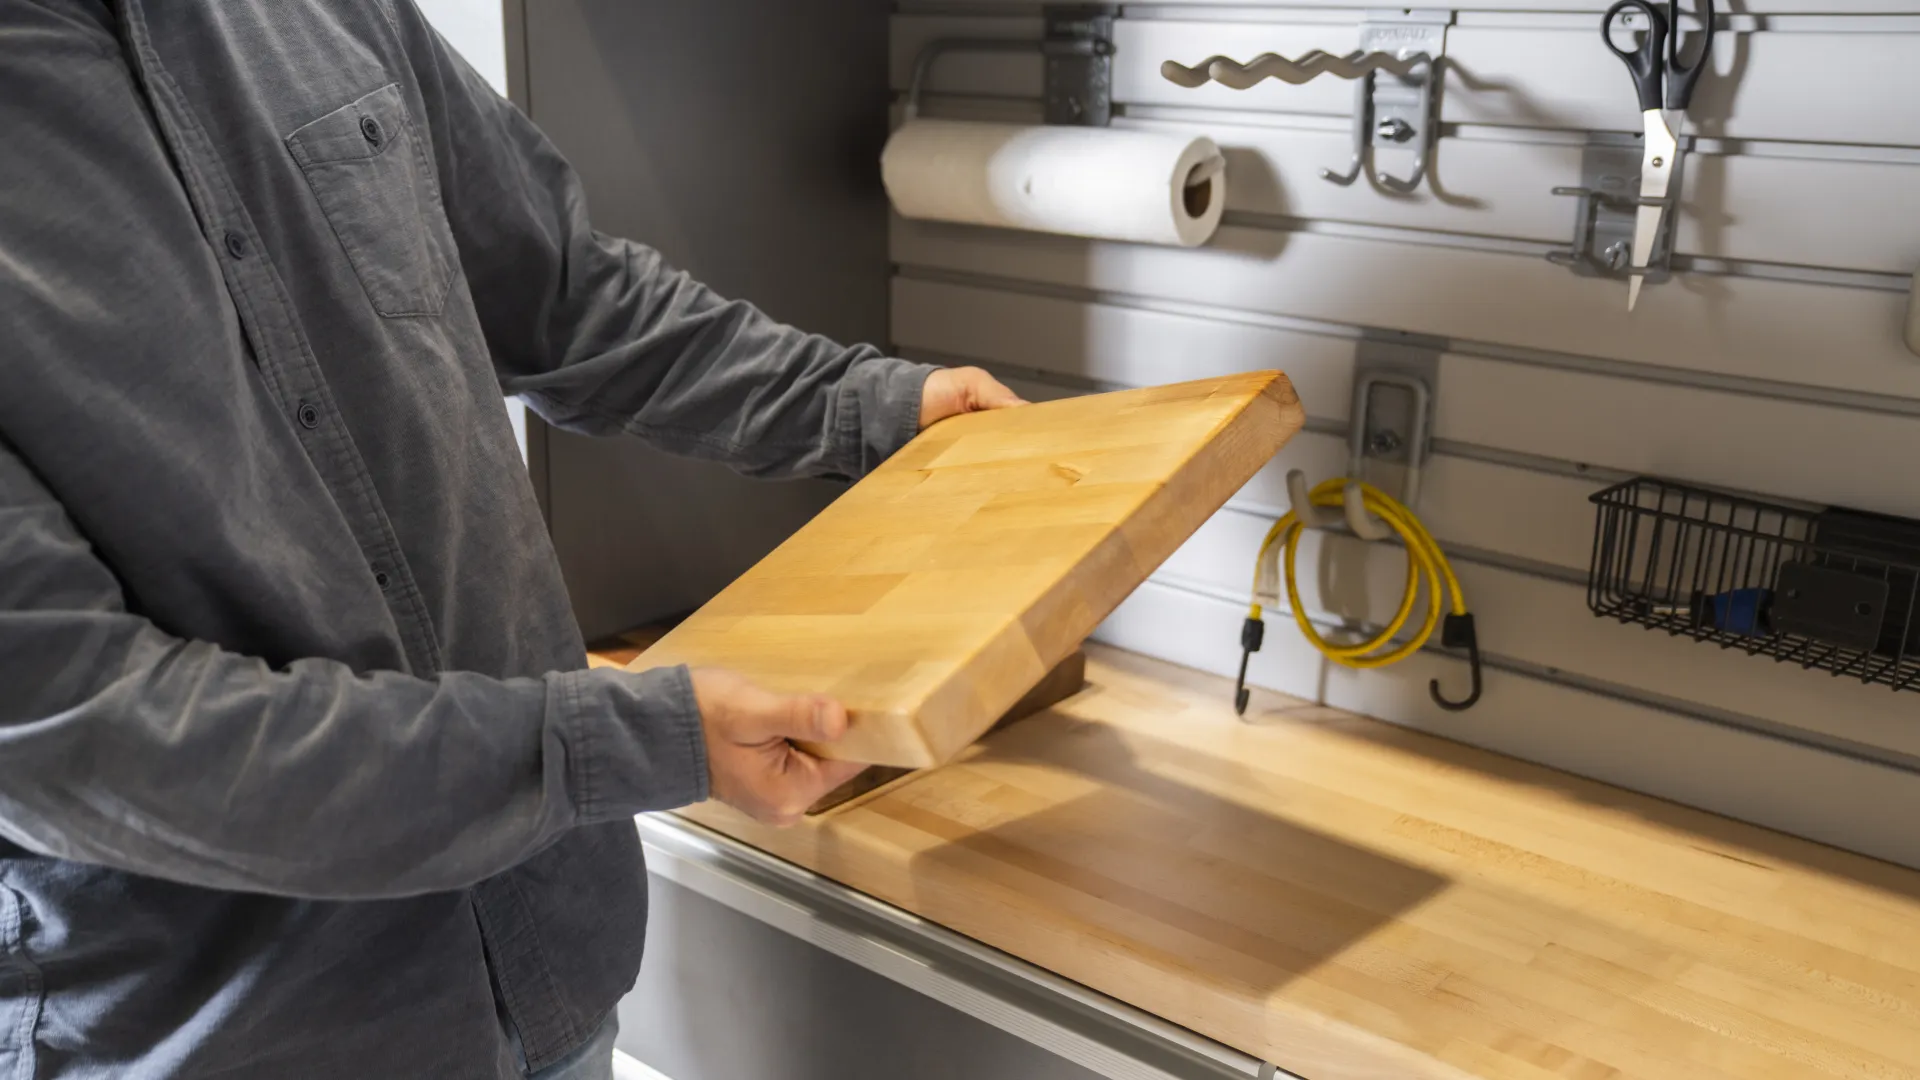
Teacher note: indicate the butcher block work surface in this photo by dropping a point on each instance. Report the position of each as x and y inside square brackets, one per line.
[1354, 901]
[942, 587]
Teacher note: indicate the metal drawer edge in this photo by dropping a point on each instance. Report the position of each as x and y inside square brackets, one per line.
[1088, 1028]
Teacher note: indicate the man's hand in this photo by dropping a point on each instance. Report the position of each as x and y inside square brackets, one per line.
[952, 391]
[751, 765]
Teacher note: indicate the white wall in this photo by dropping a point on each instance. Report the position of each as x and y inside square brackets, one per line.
[477, 29]
[1774, 365]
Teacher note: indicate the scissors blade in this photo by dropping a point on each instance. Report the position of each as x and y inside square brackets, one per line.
[1656, 177]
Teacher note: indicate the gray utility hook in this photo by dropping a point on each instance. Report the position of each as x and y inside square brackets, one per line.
[1396, 74]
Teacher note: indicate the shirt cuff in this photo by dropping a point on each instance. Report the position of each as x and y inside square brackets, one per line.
[879, 411]
[633, 741]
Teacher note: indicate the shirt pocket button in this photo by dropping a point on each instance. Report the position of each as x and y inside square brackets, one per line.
[309, 415]
[370, 130]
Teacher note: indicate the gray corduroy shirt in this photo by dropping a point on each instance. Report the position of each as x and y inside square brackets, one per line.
[300, 772]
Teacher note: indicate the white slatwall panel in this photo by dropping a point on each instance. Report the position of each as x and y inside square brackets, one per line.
[1795, 449]
[1758, 375]
[1778, 331]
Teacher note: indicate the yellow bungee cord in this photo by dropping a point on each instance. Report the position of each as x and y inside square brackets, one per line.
[1426, 564]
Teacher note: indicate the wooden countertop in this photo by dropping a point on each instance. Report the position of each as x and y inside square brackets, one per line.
[1351, 900]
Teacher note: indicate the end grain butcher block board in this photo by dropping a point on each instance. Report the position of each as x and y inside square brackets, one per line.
[939, 589]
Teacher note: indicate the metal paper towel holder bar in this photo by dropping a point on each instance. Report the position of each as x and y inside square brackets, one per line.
[1078, 48]
[1398, 110]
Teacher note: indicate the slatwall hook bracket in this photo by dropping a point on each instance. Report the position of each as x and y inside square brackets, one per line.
[1392, 428]
[1604, 209]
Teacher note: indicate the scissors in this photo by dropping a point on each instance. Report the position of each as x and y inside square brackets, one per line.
[1665, 86]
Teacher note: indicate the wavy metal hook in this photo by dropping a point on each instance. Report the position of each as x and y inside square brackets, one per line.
[1231, 73]
[1360, 65]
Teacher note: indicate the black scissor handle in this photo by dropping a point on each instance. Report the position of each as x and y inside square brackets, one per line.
[1680, 80]
[1648, 62]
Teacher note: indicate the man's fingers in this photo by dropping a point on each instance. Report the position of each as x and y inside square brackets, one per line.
[991, 393]
[751, 759]
[832, 773]
[807, 717]
[952, 391]
[980, 391]
[807, 778]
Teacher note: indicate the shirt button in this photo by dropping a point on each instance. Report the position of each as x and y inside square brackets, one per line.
[236, 245]
[370, 128]
[309, 415]
[381, 579]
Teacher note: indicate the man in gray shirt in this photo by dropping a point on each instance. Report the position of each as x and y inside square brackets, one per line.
[302, 774]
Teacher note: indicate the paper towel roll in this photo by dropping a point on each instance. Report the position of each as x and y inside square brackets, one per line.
[1113, 184]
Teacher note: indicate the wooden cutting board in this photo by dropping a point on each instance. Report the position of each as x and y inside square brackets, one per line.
[933, 594]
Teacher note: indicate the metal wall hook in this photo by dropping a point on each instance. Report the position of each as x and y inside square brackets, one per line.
[1396, 71]
[1362, 124]
[1353, 512]
[1429, 122]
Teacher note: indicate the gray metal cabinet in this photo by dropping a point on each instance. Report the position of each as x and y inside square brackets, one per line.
[738, 138]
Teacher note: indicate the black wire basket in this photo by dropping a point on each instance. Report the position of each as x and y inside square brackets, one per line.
[1836, 590]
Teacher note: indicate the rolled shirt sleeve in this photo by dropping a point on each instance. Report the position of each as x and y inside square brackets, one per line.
[123, 746]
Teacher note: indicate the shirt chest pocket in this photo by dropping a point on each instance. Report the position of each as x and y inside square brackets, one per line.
[368, 169]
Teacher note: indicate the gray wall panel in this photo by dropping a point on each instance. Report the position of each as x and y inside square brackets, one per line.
[738, 138]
